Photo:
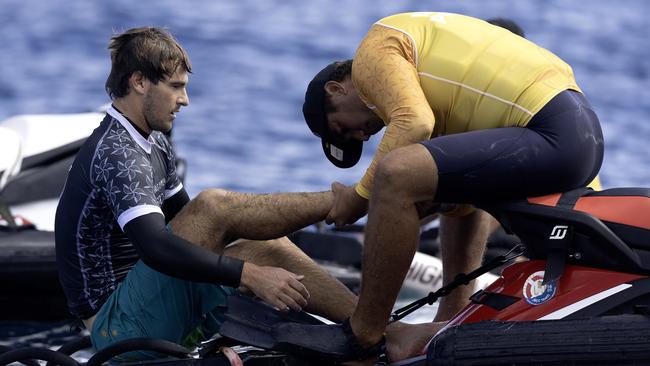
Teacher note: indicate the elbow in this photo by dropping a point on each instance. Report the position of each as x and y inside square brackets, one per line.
[153, 255]
[418, 125]
[152, 259]
[423, 129]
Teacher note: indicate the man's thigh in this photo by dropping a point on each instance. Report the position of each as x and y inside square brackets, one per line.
[150, 304]
[499, 163]
[209, 217]
[195, 223]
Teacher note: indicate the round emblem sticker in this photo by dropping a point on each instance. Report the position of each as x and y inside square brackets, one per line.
[534, 292]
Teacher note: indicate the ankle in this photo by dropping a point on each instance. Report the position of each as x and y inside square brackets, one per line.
[366, 336]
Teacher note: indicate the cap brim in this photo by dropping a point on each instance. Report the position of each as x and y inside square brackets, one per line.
[342, 153]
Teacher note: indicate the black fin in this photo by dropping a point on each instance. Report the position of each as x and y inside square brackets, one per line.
[257, 324]
[252, 322]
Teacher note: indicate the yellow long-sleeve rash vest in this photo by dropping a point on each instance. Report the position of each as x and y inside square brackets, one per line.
[433, 74]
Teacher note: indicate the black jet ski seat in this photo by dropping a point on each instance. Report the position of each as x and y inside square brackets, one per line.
[607, 229]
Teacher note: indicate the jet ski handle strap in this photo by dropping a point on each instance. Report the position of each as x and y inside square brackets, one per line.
[459, 280]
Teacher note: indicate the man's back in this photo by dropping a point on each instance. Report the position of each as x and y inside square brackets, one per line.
[474, 75]
[117, 175]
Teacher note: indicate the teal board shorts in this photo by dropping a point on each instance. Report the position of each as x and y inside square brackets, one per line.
[150, 304]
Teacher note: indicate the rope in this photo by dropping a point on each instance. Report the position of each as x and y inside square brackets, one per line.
[460, 280]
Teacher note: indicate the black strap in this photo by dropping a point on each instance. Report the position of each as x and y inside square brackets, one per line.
[359, 352]
[568, 199]
[560, 237]
[459, 280]
[555, 261]
[494, 300]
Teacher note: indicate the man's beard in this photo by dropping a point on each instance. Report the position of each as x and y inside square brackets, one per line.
[150, 116]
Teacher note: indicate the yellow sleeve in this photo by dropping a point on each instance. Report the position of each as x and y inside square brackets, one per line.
[386, 79]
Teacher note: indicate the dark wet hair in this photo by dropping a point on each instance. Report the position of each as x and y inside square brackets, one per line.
[152, 51]
[342, 70]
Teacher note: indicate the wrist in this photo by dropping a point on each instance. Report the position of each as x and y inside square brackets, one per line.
[248, 274]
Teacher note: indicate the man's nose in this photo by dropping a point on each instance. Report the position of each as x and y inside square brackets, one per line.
[184, 99]
[358, 135]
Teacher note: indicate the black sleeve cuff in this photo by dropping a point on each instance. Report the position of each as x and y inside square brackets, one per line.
[230, 270]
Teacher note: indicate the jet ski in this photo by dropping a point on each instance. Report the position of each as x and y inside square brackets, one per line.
[582, 297]
[36, 152]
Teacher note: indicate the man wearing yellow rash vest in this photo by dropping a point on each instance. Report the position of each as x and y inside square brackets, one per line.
[472, 113]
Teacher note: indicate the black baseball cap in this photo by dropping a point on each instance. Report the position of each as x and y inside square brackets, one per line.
[341, 152]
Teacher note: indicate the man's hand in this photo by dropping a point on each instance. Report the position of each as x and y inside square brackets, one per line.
[348, 206]
[276, 286]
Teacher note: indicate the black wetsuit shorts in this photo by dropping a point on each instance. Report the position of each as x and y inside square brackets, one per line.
[561, 148]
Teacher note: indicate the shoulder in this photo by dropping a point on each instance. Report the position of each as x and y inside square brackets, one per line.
[117, 155]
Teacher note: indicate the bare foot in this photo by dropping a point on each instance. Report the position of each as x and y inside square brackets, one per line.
[408, 340]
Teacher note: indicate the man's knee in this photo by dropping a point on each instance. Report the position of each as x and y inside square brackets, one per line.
[266, 252]
[392, 170]
[209, 201]
[211, 195]
[406, 169]
[281, 247]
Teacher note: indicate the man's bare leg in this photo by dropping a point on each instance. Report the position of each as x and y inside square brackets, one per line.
[405, 176]
[216, 217]
[408, 340]
[329, 297]
[462, 242]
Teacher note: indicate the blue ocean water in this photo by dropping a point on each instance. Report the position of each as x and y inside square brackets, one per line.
[252, 60]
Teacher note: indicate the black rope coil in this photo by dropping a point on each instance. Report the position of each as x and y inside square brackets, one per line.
[138, 344]
[28, 355]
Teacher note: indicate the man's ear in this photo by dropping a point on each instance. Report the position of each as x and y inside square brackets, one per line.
[335, 88]
[137, 82]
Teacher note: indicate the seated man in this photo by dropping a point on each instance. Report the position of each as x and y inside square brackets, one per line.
[472, 113]
[136, 257]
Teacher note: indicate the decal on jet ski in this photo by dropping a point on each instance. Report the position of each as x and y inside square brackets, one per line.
[425, 274]
[534, 292]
